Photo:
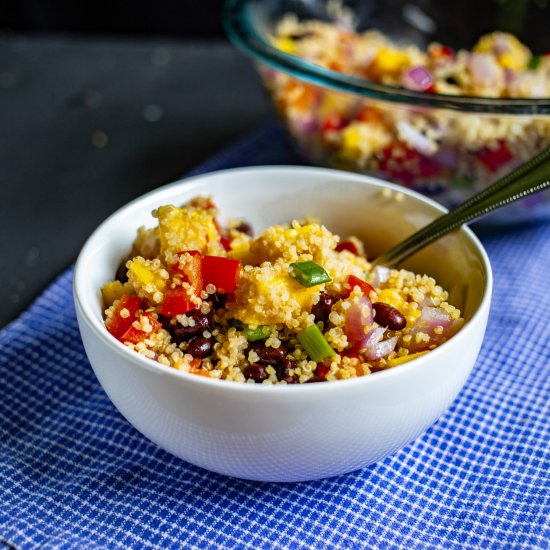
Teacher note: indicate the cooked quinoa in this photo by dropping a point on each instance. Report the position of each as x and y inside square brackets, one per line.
[295, 304]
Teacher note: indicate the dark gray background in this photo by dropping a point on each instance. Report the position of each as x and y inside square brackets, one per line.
[86, 124]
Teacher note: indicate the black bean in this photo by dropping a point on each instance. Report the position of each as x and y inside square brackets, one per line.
[200, 347]
[256, 372]
[165, 322]
[322, 308]
[245, 228]
[202, 323]
[271, 356]
[122, 273]
[388, 316]
[218, 300]
[283, 371]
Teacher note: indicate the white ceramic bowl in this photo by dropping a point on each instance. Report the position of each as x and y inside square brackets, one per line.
[296, 432]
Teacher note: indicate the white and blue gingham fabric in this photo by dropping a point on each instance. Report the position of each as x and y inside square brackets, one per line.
[75, 474]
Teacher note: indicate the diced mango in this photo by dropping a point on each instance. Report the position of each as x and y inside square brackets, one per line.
[112, 291]
[509, 61]
[241, 251]
[285, 44]
[388, 60]
[362, 139]
[186, 229]
[280, 299]
[394, 298]
[405, 359]
[351, 137]
[149, 278]
[509, 51]
[142, 273]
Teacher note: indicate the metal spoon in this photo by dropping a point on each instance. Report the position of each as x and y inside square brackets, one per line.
[531, 177]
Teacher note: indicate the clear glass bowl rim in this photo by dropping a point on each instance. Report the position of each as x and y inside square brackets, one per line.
[240, 29]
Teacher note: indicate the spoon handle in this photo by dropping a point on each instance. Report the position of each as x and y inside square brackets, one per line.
[527, 179]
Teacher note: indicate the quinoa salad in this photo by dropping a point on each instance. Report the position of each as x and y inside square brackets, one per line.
[440, 152]
[294, 304]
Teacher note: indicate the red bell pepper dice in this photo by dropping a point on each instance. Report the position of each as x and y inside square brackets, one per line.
[334, 122]
[192, 271]
[322, 370]
[493, 159]
[347, 245]
[135, 335]
[221, 272]
[118, 324]
[354, 281]
[226, 242]
[176, 302]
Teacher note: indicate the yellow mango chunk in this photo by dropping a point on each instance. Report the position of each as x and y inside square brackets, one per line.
[351, 137]
[394, 298]
[388, 60]
[362, 139]
[149, 278]
[508, 50]
[241, 251]
[277, 297]
[141, 272]
[285, 44]
[186, 228]
[405, 359]
[112, 291]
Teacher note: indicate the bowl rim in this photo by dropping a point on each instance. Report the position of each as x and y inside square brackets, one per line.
[241, 31]
[189, 183]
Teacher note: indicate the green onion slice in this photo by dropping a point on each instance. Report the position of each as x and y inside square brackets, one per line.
[314, 343]
[308, 273]
[534, 63]
[258, 333]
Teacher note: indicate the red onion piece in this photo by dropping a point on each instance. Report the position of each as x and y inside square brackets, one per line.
[417, 78]
[380, 349]
[358, 316]
[501, 44]
[415, 138]
[509, 77]
[372, 347]
[372, 337]
[430, 318]
[484, 69]
[380, 275]
[306, 126]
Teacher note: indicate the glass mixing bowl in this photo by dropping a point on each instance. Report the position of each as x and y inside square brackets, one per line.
[446, 146]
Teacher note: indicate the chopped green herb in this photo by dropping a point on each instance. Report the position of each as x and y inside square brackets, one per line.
[314, 343]
[251, 334]
[308, 273]
[258, 333]
[534, 63]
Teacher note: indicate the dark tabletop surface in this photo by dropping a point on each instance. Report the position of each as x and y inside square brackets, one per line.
[88, 124]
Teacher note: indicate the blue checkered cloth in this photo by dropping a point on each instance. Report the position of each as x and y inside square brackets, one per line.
[75, 474]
